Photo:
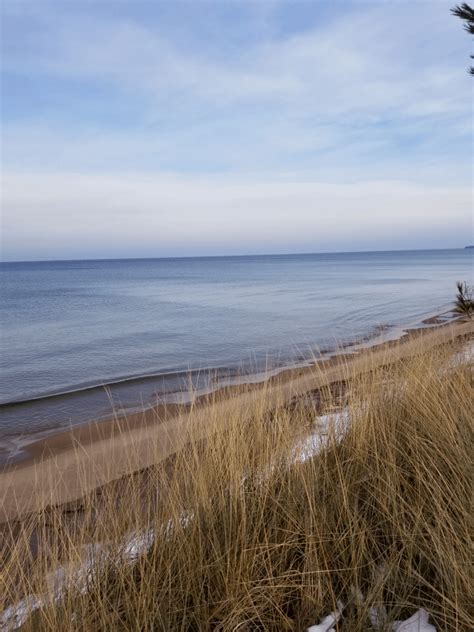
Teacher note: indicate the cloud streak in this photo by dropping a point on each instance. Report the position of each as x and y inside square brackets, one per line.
[136, 215]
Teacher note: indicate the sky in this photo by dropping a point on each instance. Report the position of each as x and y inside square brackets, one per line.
[155, 129]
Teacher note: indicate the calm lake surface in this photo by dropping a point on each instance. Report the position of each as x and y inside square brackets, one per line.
[69, 328]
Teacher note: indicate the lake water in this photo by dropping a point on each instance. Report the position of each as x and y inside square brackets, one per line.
[70, 327]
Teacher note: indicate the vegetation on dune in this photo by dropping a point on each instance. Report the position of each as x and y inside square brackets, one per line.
[251, 530]
[464, 303]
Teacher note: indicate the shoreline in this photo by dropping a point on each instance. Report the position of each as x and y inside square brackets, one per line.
[22, 447]
[390, 332]
[104, 451]
[43, 444]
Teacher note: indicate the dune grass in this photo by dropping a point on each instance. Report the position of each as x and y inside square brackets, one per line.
[251, 529]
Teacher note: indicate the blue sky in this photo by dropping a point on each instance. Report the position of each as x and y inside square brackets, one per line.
[171, 128]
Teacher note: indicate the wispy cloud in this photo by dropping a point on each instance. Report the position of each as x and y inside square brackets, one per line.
[385, 56]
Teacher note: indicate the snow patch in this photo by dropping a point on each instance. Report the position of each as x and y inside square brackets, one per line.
[326, 425]
[328, 623]
[75, 577]
[136, 544]
[15, 616]
[464, 356]
[419, 622]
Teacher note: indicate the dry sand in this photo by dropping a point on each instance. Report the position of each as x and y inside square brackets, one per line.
[65, 466]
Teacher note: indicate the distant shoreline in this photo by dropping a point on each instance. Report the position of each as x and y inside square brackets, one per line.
[233, 256]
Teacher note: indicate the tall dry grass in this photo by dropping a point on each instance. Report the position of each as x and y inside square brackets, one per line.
[249, 530]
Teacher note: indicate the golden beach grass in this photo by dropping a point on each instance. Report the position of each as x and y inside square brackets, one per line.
[252, 528]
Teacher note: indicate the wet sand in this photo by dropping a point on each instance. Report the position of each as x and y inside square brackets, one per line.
[63, 467]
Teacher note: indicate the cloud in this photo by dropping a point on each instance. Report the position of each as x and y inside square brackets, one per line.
[168, 214]
[367, 82]
[380, 57]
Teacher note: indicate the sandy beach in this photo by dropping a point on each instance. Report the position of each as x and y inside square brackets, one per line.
[62, 467]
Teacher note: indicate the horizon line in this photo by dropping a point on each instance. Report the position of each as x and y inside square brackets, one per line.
[241, 256]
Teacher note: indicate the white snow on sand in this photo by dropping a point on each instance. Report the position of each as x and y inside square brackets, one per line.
[328, 623]
[136, 544]
[465, 355]
[75, 576]
[419, 622]
[416, 623]
[330, 424]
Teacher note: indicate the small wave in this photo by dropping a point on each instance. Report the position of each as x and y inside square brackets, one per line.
[131, 379]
